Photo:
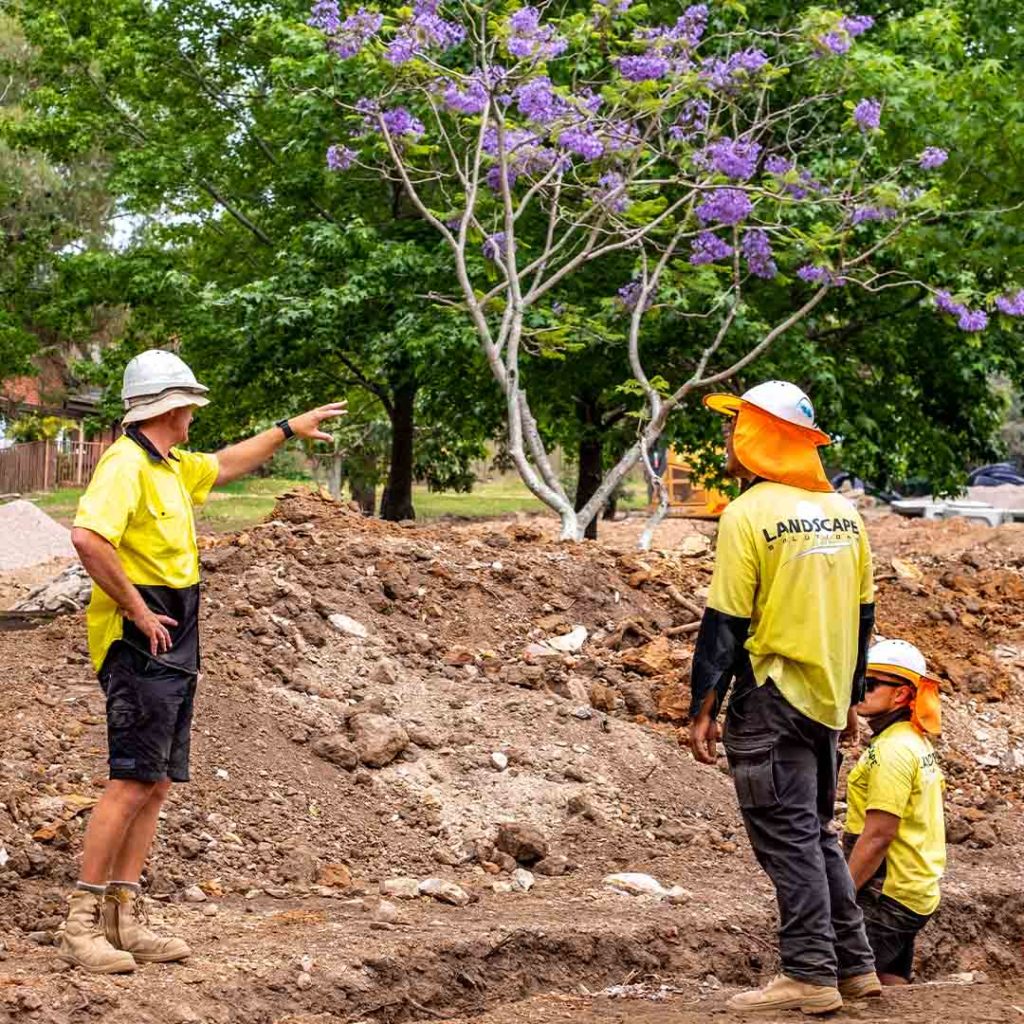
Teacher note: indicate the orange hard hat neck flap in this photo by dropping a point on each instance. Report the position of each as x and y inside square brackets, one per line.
[775, 449]
[926, 707]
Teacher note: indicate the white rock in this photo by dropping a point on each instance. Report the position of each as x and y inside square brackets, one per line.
[499, 760]
[636, 884]
[385, 912]
[522, 880]
[402, 888]
[193, 894]
[303, 981]
[444, 891]
[348, 626]
[222, 774]
[678, 896]
[570, 643]
[4, 856]
[502, 888]
[306, 964]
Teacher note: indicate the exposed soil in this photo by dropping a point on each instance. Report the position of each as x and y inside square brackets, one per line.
[325, 763]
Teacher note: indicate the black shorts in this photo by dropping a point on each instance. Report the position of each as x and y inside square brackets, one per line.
[892, 929]
[149, 716]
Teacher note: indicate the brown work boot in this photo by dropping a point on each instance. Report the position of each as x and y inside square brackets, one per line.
[861, 986]
[784, 993]
[127, 926]
[81, 941]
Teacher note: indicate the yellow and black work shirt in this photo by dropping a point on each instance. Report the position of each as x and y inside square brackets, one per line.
[143, 504]
[791, 600]
[900, 774]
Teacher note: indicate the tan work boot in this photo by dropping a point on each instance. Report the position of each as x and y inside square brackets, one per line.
[784, 993]
[861, 986]
[81, 941]
[127, 926]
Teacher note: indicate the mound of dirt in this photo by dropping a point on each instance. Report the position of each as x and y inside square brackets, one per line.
[383, 705]
[30, 537]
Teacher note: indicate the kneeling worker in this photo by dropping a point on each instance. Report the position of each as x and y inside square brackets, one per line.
[895, 833]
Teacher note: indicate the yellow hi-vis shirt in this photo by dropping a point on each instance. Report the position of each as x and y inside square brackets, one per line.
[900, 774]
[143, 505]
[798, 565]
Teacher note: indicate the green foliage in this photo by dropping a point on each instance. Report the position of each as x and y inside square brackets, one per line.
[33, 427]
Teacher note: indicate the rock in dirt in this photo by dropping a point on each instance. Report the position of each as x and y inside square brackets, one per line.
[522, 880]
[552, 865]
[385, 912]
[336, 876]
[348, 626]
[337, 749]
[499, 760]
[525, 843]
[193, 894]
[67, 592]
[569, 643]
[401, 888]
[378, 740]
[444, 891]
[636, 884]
[31, 537]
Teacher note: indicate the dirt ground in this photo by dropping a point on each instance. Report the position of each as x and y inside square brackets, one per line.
[383, 701]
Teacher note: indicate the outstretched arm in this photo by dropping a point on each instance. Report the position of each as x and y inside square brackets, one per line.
[238, 459]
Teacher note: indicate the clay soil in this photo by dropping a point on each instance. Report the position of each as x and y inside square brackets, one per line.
[271, 860]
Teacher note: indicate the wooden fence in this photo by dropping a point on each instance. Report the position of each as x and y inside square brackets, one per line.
[47, 465]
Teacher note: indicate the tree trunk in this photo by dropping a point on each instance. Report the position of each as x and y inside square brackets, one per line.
[590, 461]
[365, 493]
[396, 504]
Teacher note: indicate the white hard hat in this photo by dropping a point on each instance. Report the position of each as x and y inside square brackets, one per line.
[153, 372]
[899, 658]
[780, 398]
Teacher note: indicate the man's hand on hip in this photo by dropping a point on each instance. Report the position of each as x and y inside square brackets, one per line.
[154, 627]
[308, 424]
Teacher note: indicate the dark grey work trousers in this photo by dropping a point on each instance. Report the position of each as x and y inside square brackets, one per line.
[784, 766]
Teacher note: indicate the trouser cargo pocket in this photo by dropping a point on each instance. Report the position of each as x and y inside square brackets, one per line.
[753, 773]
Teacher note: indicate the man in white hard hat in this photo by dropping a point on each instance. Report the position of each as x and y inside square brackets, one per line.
[788, 617]
[135, 533]
[895, 829]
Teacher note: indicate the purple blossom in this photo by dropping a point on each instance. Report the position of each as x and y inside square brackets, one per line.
[757, 249]
[836, 42]
[617, 6]
[857, 24]
[733, 157]
[621, 136]
[325, 16]
[351, 35]
[400, 122]
[872, 213]
[932, 158]
[515, 139]
[612, 194]
[813, 274]
[469, 99]
[726, 206]
[1011, 305]
[647, 67]
[973, 320]
[676, 40]
[629, 296]
[778, 165]
[868, 114]
[427, 30]
[495, 247]
[582, 142]
[537, 101]
[944, 303]
[340, 158]
[524, 155]
[707, 247]
[692, 121]
[727, 73]
[528, 38]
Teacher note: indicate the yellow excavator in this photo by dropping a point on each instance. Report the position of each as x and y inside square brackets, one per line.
[688, 498]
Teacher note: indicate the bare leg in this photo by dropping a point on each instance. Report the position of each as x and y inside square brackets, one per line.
[131, 856]
[121, 802]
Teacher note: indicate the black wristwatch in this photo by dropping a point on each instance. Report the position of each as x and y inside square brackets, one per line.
[286, 428]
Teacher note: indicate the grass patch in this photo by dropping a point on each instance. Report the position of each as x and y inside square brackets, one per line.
[243, 503]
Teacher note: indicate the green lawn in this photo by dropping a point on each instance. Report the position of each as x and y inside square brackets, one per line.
[245, 502]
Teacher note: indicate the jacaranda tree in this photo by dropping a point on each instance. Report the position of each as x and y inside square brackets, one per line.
[719, 158]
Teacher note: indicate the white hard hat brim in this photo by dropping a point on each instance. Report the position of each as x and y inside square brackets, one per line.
[730, 405]
[143, 411]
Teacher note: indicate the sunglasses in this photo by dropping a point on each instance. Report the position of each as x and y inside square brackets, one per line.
[872, 683]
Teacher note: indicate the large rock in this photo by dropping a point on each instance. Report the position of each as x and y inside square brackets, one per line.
[401, 888]
[337, 749]
[348, 626]
[524, 843]
[378, 740]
